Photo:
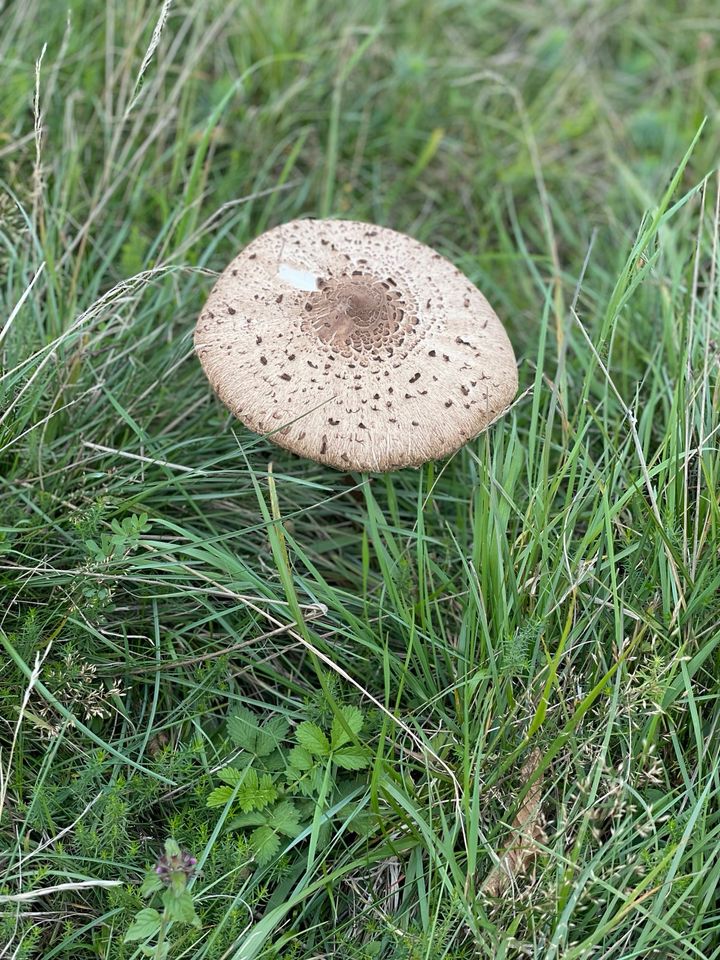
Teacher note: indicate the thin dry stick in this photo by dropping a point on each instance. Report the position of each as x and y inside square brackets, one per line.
[149, 460]
[16, 144]
[524, 847]
[25, 294]
[34, 676]
[50, 841]
[44, 891]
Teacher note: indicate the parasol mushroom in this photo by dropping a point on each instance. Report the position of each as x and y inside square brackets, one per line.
[355, 346]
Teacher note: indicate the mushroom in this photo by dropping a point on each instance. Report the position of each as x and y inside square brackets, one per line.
[354, 345]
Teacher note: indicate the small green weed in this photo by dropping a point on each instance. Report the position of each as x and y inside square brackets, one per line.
[280, 783]
[170, 875]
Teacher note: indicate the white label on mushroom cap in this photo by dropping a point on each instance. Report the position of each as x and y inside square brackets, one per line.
[300, 279]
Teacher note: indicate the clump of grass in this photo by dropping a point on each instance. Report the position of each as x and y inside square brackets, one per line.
[545, 601]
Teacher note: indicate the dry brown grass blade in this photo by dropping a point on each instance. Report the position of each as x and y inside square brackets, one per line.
[528, 830]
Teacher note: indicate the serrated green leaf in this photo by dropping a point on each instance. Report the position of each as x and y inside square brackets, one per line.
[285, 818]
[264, 745]
[231, 776]
[248, 789]
[317, 776]
[151, 884]
[300, 758]
[310, 736]
[270, 736]
[180, 907]
[364, 824]
[295, 780]
[267, 792]
[353, 720]
[351, 758]
[256, 819]
[219, 797]
[256, 792]
[145, 925]
[243, 729]
[265, 843]
[306, 786]
[275, 763]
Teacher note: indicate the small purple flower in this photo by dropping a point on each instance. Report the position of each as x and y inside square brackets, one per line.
[174, 864]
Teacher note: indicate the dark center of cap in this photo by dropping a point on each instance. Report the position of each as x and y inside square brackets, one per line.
[359, 315]
[364, 305]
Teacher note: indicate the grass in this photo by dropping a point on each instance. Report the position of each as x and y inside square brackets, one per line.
[429, 655]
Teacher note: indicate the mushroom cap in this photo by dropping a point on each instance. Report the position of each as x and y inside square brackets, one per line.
[354, 345]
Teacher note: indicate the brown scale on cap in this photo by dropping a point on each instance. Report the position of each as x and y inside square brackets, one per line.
[317, 317]
[359, 317]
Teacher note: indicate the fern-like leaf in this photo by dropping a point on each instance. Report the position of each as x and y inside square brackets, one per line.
[219, 796]
[231, 776]
[256, 791]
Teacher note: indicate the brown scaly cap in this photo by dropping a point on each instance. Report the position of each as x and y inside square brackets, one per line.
[354, 345]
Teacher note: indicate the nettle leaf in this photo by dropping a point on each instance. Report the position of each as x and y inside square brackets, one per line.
[145, 925]
[310, 736]
[285, 818]
[266, 844]
[256, 792]
[351, 758]
[353, 719]
[270, 735]
[219, 797]
[180, 907]
[151, 884]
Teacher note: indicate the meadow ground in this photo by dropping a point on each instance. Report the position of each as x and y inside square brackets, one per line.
[344, 696]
